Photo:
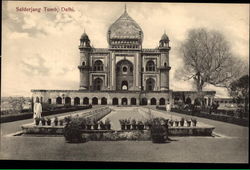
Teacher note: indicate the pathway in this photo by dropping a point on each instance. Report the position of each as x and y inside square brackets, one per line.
[230, 149]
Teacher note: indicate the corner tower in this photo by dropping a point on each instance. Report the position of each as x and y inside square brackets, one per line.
[164, 49]
[85, 50]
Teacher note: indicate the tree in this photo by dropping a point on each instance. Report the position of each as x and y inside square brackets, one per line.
[208, 60]
[16, 103]
[239, 90]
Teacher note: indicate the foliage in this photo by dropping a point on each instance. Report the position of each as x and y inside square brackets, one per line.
[133, 122]
[68, 119]
[208, 59]
[61, 122]
[16, 103]
[56, 119]
[158, 131]
[48, 120]
[72, 132]
[239, 90]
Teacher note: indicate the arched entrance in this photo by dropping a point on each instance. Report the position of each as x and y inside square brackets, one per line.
[98, 84]
[133, 101]
[85, 100]
[58, 100]
[115, 101]
[144, 101]
[68, 101]
[162, 101]
[124, 85]
[94, 101]
[104, 101]
[153, 101]
[150, 66]
[124, 101]
[124, 75]
[150, 84]
[98, 65]
[76, 101]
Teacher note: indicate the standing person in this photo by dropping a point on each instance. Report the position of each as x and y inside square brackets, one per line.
[37, 109]
[168, 107]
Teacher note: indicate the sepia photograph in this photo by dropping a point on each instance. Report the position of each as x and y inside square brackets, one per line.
[139, 82]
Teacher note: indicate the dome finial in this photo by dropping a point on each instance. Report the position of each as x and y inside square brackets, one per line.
[164, 31]
[84, 29]
[125, 8]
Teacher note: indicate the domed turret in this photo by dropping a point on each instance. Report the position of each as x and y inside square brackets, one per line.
[84, 36]
[164, 42]
[125, 33]
[164, 37]
[84, 41]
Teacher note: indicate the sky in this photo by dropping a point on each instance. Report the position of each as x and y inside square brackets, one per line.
[40, 49]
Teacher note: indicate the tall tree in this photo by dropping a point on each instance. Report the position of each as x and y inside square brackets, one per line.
[208, 59]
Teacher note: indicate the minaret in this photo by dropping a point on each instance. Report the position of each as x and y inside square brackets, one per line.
[164, 66]
[85, 50]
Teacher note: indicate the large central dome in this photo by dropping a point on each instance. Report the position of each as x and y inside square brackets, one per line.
[125, 28]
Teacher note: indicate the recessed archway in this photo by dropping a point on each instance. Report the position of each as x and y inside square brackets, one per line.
[133, 101]
[162, 101]
[150, 66]
[58, 100]
[76, 101]
[124, 101]
[104, 101]
[85, 100]
[144, 101]
[124, 85]
[98, 65]
[97, 84]
[115, 101]
[124, 75]
[150, 84]
[153, 101]
[68, 101]
[94, 101]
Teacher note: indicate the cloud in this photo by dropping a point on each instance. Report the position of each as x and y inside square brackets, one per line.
[40, 50]
[34, 65]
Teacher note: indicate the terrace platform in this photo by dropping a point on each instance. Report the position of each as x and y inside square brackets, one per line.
[138, 113]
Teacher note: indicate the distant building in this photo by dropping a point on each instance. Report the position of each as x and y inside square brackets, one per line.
[122, 74]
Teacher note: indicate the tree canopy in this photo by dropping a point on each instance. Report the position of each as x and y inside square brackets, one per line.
[208, 59]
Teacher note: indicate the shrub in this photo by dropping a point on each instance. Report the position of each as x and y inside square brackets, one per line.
[158, 132]
[72, 132]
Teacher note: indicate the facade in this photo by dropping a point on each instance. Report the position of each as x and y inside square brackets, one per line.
[125, 65]
[122, 74]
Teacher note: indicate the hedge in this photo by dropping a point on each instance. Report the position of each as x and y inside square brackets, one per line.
[220, 117]
[29, 115]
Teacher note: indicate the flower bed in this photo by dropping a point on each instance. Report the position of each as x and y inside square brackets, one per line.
[225, 116]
